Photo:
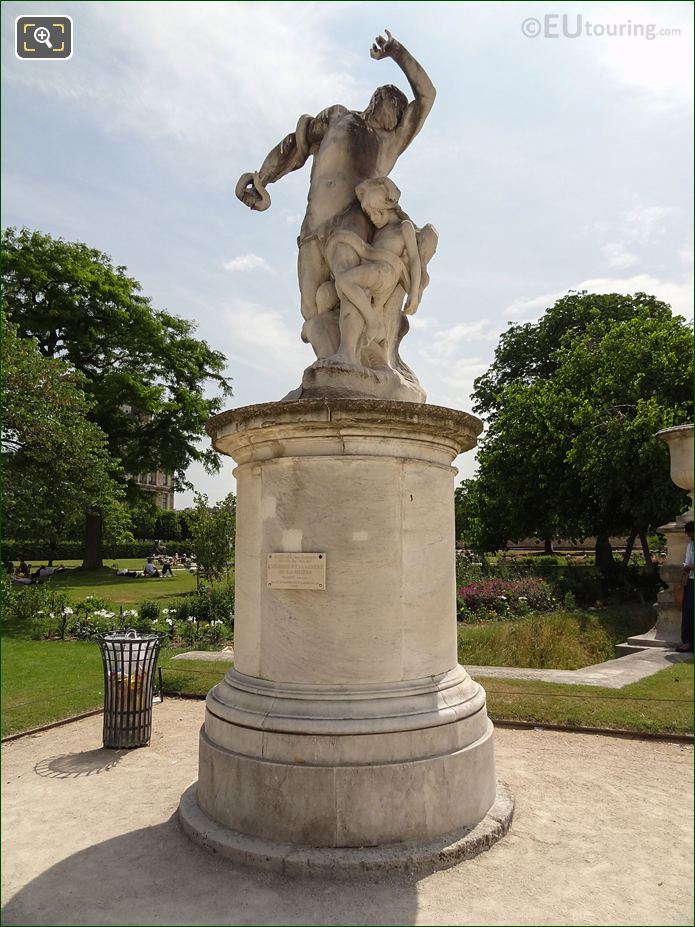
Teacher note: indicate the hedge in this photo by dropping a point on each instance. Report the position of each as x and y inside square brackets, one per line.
[74, 550]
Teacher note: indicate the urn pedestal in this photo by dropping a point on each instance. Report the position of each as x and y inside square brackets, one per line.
[667, 630]
[346, 735]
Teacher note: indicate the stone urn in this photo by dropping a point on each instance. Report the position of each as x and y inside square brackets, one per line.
[680, 446]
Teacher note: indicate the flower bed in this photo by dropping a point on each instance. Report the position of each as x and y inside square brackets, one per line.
[205, 617]
[504, 598]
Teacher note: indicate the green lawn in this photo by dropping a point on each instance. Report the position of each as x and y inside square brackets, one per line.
[45, 681]
[661, 703]
[119, 590]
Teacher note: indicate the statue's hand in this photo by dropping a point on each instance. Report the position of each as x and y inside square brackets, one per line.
[252, 193]
[385, 47]
[411, 304]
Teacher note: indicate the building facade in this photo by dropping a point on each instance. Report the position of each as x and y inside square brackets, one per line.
[160, 485]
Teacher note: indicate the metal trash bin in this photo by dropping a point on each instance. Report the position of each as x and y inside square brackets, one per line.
[129, 661]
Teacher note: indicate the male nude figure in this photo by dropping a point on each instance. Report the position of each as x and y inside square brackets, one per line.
[348, 148]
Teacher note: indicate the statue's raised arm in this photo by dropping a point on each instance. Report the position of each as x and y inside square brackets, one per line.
[416, 112]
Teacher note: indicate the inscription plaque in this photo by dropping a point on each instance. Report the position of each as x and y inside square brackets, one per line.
[296, 571]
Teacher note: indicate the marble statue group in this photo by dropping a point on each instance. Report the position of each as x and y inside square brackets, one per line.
[362, 260]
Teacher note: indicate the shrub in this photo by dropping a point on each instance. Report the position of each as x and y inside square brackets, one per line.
[39, 610]
[91, 604]
[215, 632]
[187, 631]
[149, 611]
[209, 604]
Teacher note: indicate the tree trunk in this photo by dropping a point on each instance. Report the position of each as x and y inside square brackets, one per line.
[93, 531]
[645, 549]
[548, 542]
[52, 550]
[604, 555]
[628, 547]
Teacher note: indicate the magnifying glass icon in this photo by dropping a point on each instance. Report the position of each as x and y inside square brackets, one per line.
[43, 36]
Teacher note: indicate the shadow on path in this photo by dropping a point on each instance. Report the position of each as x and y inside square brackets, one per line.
[156, 876]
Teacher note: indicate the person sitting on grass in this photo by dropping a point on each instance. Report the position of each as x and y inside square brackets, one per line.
[150, 569]
[686, 587]
[22, 570]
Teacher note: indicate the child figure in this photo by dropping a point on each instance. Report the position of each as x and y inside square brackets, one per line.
[394, 263]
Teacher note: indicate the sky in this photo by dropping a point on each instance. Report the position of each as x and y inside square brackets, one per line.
[557, 157]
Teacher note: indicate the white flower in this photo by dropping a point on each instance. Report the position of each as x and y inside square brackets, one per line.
[192, 620]
[130, 613]
[51, 615]
[165, 611]
[216, 623]
[40, 612]
[88, 597]
[170, 622]
[103, 613]
[67, 611]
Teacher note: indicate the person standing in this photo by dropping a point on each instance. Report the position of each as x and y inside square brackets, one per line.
[687, 592]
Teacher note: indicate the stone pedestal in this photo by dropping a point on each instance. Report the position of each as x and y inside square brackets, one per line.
[346, 721]
[667, 630]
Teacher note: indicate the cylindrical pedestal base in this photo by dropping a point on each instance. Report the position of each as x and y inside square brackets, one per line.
[353, 862]
[346, 721]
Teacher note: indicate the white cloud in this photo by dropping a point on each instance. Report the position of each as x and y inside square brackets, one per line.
[617, 256]
[633, 230]
[208, 76]
[678, 295]
[529, 306]
[261, 338]
[658, 70]
[247, 262]
[444, 342]
[643, 224]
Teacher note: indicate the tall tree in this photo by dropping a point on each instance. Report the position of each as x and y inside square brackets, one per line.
[56, 464]
[531, 351]
[573, 403]
[143, 368]
[213, 530]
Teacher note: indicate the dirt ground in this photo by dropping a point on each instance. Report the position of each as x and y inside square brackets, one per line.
[602, 834]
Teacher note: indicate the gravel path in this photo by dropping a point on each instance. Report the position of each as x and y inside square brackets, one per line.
[602, 835]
